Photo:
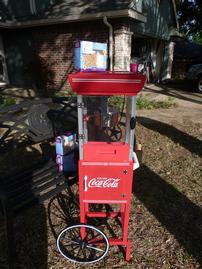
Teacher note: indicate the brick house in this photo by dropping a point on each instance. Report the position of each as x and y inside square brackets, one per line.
[37, 37]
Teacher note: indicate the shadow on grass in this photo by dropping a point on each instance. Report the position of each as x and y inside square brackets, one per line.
[26, 219]
[187, 141]
[30, 240]
[172, 209]
[63, 211]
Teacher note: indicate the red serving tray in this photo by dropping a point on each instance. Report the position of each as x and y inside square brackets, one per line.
[106, 83]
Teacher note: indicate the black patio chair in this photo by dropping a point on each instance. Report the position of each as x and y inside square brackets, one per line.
[25, 189]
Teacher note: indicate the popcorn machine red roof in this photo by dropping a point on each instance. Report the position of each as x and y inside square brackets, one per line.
[106, 160]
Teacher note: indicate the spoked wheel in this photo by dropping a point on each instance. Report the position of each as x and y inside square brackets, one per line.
[83, 244]
[115, 133]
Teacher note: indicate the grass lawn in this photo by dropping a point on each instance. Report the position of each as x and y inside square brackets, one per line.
[165, 226]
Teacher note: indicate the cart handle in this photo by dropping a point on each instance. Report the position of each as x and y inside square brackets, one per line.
[106, 152]
[85, 183]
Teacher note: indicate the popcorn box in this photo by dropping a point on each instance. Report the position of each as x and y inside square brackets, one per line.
[65, 143]
[90, 56]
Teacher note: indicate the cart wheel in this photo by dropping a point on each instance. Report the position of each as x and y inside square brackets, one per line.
[83, 244]
[115, 133]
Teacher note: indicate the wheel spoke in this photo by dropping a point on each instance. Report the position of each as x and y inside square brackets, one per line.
[98, 249]
[92, 248]
[75, 247]
[76, 234]
[71, 241]
[84, 253]
[62, 216]
[59, 210]
[79, 251]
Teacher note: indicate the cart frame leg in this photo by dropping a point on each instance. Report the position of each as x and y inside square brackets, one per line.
[125, 231]
[128, 256]
[125, 222]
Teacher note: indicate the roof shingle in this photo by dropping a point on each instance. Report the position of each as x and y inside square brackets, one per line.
[76, 7]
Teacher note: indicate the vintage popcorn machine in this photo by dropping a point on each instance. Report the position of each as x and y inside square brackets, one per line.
[106, 121]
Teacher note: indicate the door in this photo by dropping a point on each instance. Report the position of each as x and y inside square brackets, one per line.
[105, 182]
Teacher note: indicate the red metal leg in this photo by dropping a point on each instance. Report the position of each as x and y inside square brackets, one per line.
[128, 256]
[122, 210]
[82, 218]
[82, 213]
[86, 209]
[125, 231]
[126, 221]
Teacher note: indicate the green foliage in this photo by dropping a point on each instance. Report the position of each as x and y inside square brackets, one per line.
[179, 76]
[6, 101]
[145, 103]
[197, 38]
[68, 93]
[190, 17]
[117, 101]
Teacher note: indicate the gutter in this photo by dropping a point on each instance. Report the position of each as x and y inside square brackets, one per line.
[74, 18]
[175, 14]
[111, 42]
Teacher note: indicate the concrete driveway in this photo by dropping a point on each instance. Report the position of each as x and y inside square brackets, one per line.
[189, 104]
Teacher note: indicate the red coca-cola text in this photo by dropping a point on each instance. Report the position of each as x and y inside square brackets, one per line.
[103, 183]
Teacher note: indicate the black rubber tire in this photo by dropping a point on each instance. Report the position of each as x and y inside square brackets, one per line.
[199, 84]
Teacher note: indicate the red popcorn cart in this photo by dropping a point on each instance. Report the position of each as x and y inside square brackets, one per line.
[106, 129]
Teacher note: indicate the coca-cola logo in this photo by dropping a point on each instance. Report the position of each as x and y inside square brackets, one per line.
[103, 182]
[100, 182]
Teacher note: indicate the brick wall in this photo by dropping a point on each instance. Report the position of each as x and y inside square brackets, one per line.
[43, 56]
[54, 50]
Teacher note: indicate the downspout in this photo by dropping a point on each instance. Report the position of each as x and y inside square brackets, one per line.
[162, 74]
[111, 43]
[4, 64]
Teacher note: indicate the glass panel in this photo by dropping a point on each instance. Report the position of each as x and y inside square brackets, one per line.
[104, 118]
